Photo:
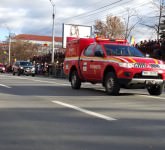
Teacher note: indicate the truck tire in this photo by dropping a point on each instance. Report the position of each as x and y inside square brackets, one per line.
[75, 80]
[33, 75]
[112, 86]
[156, 90]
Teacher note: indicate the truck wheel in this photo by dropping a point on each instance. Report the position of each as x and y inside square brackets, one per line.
[33, 75]
[156, 89]
[112, 86]
[75, 80]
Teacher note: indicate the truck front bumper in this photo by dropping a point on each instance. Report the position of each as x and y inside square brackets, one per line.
[145, 81]
[140, 83]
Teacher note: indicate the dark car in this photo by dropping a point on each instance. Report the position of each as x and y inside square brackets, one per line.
[24, 68]
[2, 68]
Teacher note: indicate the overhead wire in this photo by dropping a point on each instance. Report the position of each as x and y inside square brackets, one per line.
[120, 14]
[101, 14]
[98, 12]
[89, 13]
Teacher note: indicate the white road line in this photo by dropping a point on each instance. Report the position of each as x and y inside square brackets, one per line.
[85, 111]
[156, 97]
[48, 82]
[5, 86]
[41, 81]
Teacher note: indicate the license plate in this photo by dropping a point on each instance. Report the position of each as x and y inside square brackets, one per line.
[27, 70]
[149, 73]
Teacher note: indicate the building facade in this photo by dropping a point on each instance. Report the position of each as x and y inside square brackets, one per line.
[44, 43]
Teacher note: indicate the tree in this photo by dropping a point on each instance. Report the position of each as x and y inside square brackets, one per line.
[100, 28]
[130, 25]
[3, 53]
[159, 9]
[112, 28]
[21, 50]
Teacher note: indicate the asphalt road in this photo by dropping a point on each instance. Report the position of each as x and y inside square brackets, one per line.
[39, 113]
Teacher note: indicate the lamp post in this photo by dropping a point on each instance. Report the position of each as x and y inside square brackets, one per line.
[9, 45]
[53, 42]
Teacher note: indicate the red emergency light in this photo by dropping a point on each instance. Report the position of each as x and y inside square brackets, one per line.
[106, 40]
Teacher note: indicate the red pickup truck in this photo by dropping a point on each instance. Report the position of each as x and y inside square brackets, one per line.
[114, 63]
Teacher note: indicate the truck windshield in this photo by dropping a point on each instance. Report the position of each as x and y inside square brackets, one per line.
[120, 50]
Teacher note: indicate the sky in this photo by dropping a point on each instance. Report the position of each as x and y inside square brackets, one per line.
[35, 16]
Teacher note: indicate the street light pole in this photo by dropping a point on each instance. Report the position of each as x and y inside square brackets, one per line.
[9, 44]
[53, 42]
[9, 47]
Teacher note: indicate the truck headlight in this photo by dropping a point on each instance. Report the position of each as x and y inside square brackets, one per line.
[126, 65]
[162, 66]
[33, 69]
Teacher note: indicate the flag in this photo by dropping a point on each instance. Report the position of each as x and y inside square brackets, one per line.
[132, 41]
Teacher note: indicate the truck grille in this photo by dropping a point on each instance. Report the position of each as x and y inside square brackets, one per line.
[139, 65]
[154, 65]
[143, 65]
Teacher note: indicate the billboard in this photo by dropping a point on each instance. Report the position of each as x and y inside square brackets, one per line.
[75, 31]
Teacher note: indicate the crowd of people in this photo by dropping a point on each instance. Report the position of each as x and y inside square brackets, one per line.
[155, 48]
[44, 66]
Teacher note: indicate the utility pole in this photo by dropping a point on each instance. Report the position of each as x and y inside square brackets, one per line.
[53, 42]
[9, 45]
[160, 17]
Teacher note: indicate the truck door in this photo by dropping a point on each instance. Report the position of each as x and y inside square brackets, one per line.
[98, 63]
[86, 61]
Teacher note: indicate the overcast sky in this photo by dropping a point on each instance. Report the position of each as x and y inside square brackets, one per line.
[35, 16]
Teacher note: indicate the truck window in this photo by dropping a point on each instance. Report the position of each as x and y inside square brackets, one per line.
[98, 52]
[120, 50]
[89, 50]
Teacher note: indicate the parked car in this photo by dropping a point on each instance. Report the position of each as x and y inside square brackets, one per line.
[24, 68]
[2, 68]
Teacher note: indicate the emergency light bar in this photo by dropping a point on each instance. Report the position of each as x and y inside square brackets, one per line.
[120, 41]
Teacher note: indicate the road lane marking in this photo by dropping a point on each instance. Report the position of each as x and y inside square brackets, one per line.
[41, 81]
[91, 113]
[48, 82]
[5, 86]
[68, 84]
[156, 97]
